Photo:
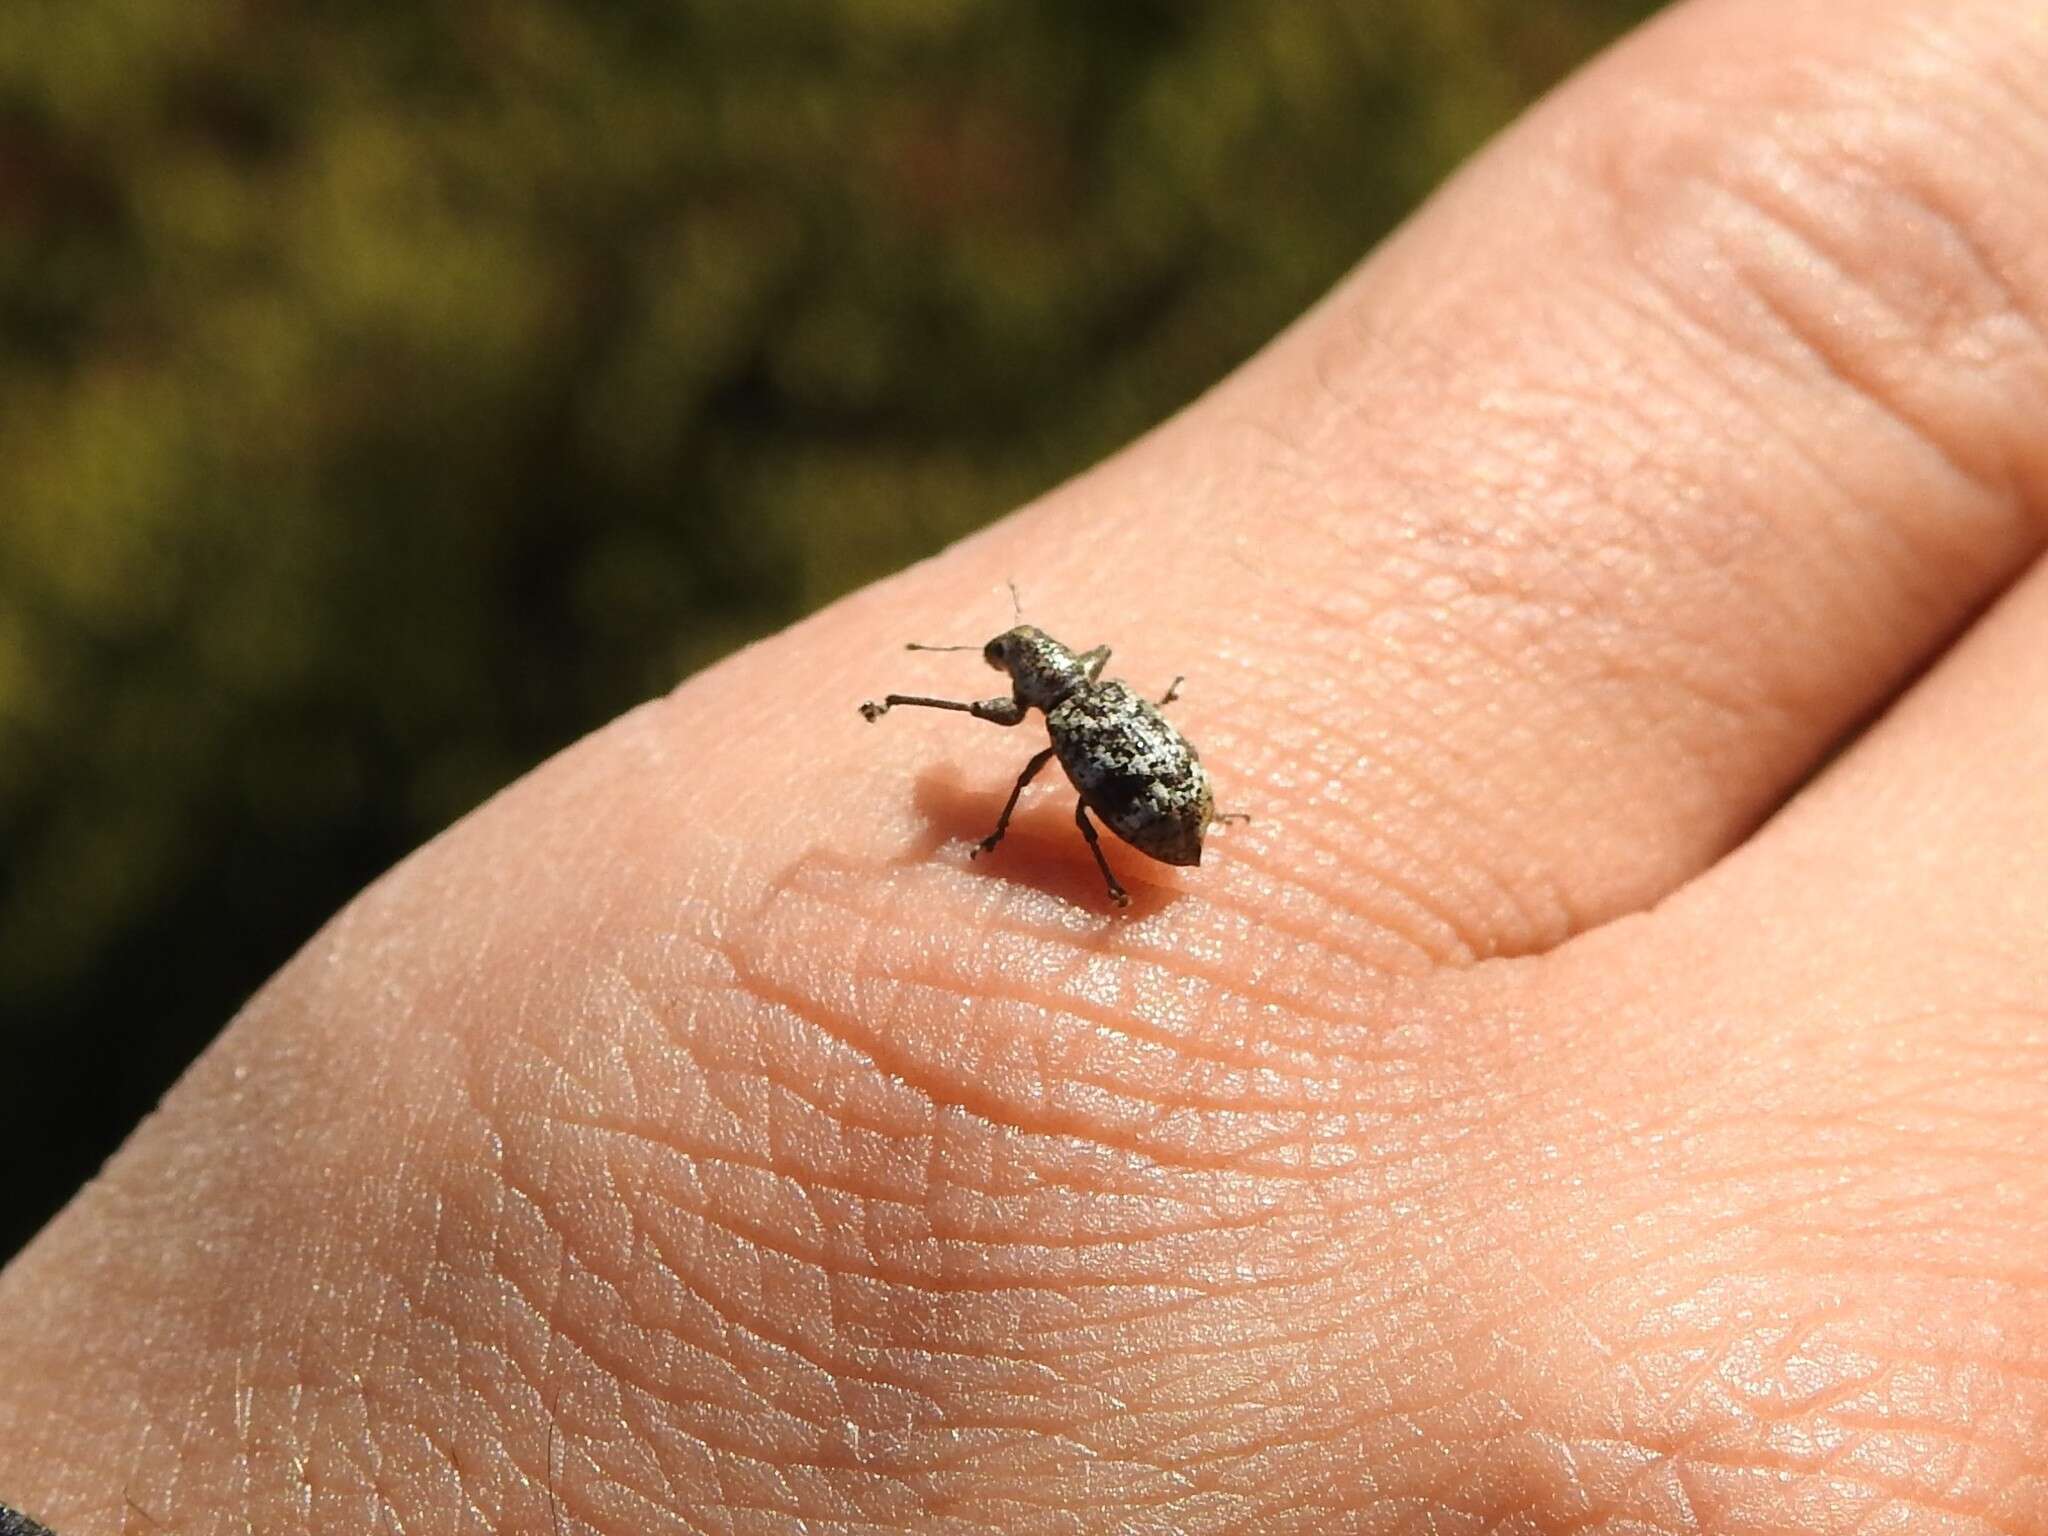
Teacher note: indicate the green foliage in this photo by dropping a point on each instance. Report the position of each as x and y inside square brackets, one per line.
[390, 394]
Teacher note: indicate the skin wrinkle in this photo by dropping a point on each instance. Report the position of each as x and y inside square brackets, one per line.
[661, 1280]
[1709, 1362]
[1714, 383]
[1477, 940]
[1756, 709]
[1736, 173]
[1539, 496]
[1958, 323]
[1440, 779]
[1467, 940]
[1697, 1464]
[785, 1348]
[1401, 901]
[708, 1445]
[1316, 1082]
[1450, 558]
[1911, 176]
[1613, 659]
[540, 1384]
[1822, 342]
[1712, 1363]
[1702, 1236]
[955, 1089]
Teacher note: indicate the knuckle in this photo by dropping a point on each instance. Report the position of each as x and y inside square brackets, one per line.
[1842, 221]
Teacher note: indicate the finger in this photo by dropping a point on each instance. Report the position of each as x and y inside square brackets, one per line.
[1804, 1221]
[1916, 864]
[1525, 576]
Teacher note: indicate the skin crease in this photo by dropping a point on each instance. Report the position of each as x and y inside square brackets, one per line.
[1510, 1130]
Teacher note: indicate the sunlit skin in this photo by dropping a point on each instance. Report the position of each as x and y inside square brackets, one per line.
[1541, 1118]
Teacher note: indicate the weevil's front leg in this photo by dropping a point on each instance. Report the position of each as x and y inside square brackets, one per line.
[1092, 662]
[1172, 692]
[1117, 893]
[1004, 711]
[987, 844]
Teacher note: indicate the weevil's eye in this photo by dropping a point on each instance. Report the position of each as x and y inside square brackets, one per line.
[996, 653]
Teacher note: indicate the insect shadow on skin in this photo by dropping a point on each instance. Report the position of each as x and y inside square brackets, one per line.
[957, 804]
[1129, 765]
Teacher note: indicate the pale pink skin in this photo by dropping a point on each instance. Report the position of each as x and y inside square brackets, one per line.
[1498, 1134]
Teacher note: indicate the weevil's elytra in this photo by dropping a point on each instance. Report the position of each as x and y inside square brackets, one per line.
[1124, 758]
[1134, 770]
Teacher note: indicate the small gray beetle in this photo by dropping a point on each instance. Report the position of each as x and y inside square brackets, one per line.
[1131, 767]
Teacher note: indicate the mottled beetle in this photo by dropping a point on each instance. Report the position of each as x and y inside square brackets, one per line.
[1131, 767]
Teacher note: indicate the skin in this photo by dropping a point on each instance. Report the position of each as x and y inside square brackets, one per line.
[1605, 1089]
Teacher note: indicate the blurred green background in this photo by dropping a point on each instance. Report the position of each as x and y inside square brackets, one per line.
[389, 395]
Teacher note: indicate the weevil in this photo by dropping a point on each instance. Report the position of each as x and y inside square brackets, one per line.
[1124, 758]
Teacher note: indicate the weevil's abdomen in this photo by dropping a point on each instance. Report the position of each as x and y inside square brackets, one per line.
[1134, 770]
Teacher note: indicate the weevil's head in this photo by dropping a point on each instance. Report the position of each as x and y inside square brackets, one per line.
[1042, 671]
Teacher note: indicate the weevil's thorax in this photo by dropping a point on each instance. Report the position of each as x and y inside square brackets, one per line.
[1042, 671]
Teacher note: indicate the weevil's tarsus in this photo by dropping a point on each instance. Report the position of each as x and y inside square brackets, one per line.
[988, 844]
[1172, 692]
[1117, 893]
[1000, 711]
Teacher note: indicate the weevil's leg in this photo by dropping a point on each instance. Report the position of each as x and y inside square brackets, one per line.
[1117, 893]
[1004, 711]
[987, 844]
[1244, 816]
[1092, 662]
[1172, 692]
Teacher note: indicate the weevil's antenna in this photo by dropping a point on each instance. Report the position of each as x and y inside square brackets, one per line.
[1016, 602]
[912, 645]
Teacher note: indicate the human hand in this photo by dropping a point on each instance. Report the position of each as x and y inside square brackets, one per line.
[1500, 1132]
